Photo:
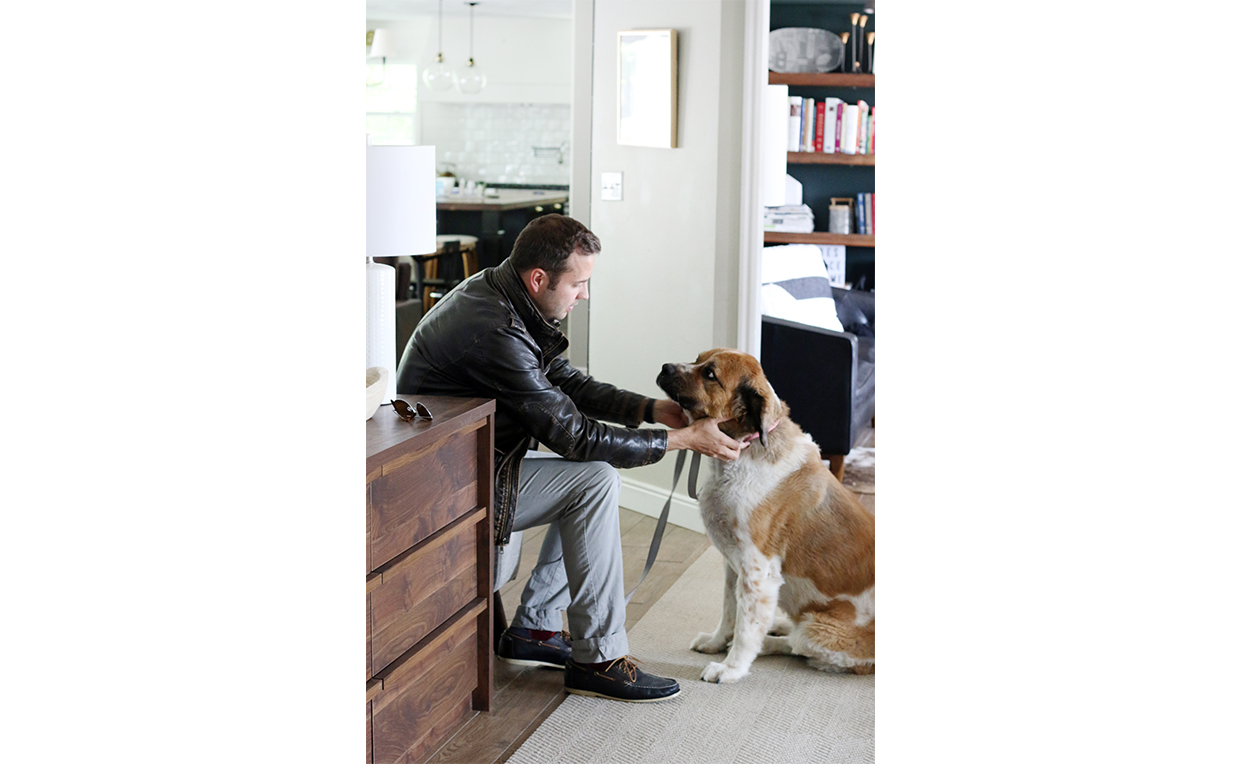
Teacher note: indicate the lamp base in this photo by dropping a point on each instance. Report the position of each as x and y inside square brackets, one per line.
[381, 321]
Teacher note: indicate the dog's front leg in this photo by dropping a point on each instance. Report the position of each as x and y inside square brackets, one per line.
[718, 642]
[757, 591]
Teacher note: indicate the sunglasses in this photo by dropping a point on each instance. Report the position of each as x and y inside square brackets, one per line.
[409, 413]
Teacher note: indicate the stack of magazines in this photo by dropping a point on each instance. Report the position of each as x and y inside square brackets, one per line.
[794, 218]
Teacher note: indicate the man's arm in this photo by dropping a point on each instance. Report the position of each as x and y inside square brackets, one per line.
[598, 399]
[506, 363]
[601, 400]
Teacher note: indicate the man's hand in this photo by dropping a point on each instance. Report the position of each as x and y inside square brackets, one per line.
[667, 412]
[705, 437]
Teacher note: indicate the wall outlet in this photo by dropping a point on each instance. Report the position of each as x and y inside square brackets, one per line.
[613, 186]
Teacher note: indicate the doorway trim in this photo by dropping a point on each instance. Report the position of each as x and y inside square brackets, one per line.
[579, 161]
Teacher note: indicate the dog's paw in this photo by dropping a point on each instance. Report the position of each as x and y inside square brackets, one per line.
[707, 642]
[722, 673]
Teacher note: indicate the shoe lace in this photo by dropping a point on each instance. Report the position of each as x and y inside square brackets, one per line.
[628, 664]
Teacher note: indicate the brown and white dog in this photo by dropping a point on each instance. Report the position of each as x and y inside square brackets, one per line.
[791, 534]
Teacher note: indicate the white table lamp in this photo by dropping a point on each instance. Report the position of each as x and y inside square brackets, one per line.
[400, 220]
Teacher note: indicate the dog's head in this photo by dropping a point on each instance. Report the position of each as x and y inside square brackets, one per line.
[725, 384]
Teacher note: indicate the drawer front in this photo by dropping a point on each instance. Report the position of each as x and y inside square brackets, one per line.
[421, 592]
[418, 495]
[426, 698]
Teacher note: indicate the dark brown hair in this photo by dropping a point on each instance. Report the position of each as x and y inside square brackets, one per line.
[547, 241]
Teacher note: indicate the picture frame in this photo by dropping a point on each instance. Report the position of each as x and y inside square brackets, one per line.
[647, 108]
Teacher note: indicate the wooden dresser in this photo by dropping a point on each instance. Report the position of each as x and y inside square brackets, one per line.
[429, 562]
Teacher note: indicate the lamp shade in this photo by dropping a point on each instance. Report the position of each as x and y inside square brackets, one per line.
[400, 200]
[380, 44]
[400, 220]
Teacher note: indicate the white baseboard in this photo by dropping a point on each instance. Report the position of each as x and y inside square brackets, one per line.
[649, 500]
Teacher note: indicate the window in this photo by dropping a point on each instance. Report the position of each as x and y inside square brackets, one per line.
[392, 105]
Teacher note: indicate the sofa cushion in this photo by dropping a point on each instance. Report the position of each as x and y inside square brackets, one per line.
[795, 286]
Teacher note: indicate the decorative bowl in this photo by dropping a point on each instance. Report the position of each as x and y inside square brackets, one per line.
[802, 49]
[376, 386]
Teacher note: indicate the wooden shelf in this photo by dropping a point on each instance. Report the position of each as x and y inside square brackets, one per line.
[831, 79]
[818, 157]
[817, 237]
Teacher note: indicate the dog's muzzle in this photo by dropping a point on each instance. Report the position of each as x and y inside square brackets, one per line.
[669, 380]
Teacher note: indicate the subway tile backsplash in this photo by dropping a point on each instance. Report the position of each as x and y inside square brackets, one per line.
[495, 142]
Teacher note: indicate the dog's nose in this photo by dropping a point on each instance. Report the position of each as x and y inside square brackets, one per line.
[669, 369]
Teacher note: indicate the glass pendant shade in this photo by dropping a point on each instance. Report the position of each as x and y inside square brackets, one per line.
[472, 80]
[438, 76]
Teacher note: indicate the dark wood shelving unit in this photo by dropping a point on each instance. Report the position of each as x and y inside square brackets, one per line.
[818, 157]
[818, 237]
[828, 80]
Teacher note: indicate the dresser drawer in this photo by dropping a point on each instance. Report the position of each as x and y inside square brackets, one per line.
[421, 591]
[426, 696]
[419, 493]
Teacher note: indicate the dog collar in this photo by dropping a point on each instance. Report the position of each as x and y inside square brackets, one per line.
[754, 435]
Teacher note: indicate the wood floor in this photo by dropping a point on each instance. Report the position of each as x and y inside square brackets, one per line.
[524, 697]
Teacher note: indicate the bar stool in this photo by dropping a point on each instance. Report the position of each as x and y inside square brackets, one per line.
[454, 260]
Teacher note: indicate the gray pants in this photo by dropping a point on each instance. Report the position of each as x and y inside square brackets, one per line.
[580, 566]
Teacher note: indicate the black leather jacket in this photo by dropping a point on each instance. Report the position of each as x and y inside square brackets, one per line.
[486, 339]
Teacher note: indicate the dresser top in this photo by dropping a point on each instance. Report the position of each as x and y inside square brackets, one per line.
[388, 435]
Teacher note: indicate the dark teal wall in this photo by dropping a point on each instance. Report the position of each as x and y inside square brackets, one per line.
[821, 182]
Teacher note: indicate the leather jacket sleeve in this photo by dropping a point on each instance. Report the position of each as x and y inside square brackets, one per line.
[506, 361]
[597, 399]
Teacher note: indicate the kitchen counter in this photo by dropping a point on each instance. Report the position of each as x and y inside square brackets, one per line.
[508, 199]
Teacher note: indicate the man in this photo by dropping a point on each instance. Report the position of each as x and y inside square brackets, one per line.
[497, 336]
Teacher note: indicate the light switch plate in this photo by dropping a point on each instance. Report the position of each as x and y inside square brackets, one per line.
[613, 186]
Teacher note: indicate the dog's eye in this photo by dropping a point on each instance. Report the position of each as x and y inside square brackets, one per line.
[708, 373]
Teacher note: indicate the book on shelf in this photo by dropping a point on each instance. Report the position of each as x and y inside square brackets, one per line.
[820, 117]
[830, 126]
[793, 218]
[865, 214]
[807, 125]
[863, 127]
[869, 149]
[794, 122]
[830, 110]
[839, 127]
[848, 135]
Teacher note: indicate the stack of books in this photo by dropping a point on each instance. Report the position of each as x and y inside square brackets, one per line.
[865, 214]
[794, 218]
[830, 126]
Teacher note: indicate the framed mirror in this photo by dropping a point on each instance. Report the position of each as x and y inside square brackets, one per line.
[647, 109]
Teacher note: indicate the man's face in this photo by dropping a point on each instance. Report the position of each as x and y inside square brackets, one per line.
[573, 285]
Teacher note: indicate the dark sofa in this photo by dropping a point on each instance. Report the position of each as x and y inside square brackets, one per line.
[826, 377]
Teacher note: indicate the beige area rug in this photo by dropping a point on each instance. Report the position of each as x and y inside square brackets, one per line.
[859, 470]
[784, 711]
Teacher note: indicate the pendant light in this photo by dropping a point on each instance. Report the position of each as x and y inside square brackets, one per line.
[439, 76]
[471, 79]
[380, 48]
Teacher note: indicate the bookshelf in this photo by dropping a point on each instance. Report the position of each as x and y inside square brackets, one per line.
[830, 79]
[824, 176]
[817, 157]
[818, 237]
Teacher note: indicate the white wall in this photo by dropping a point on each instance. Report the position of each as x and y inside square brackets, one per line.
[526, 60]
[495, 142]
[666, 283]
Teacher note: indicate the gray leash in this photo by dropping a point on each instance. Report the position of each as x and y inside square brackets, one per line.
[667, 506]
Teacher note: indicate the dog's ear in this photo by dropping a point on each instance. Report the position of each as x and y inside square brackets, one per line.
[752, 406]
[758, 409]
